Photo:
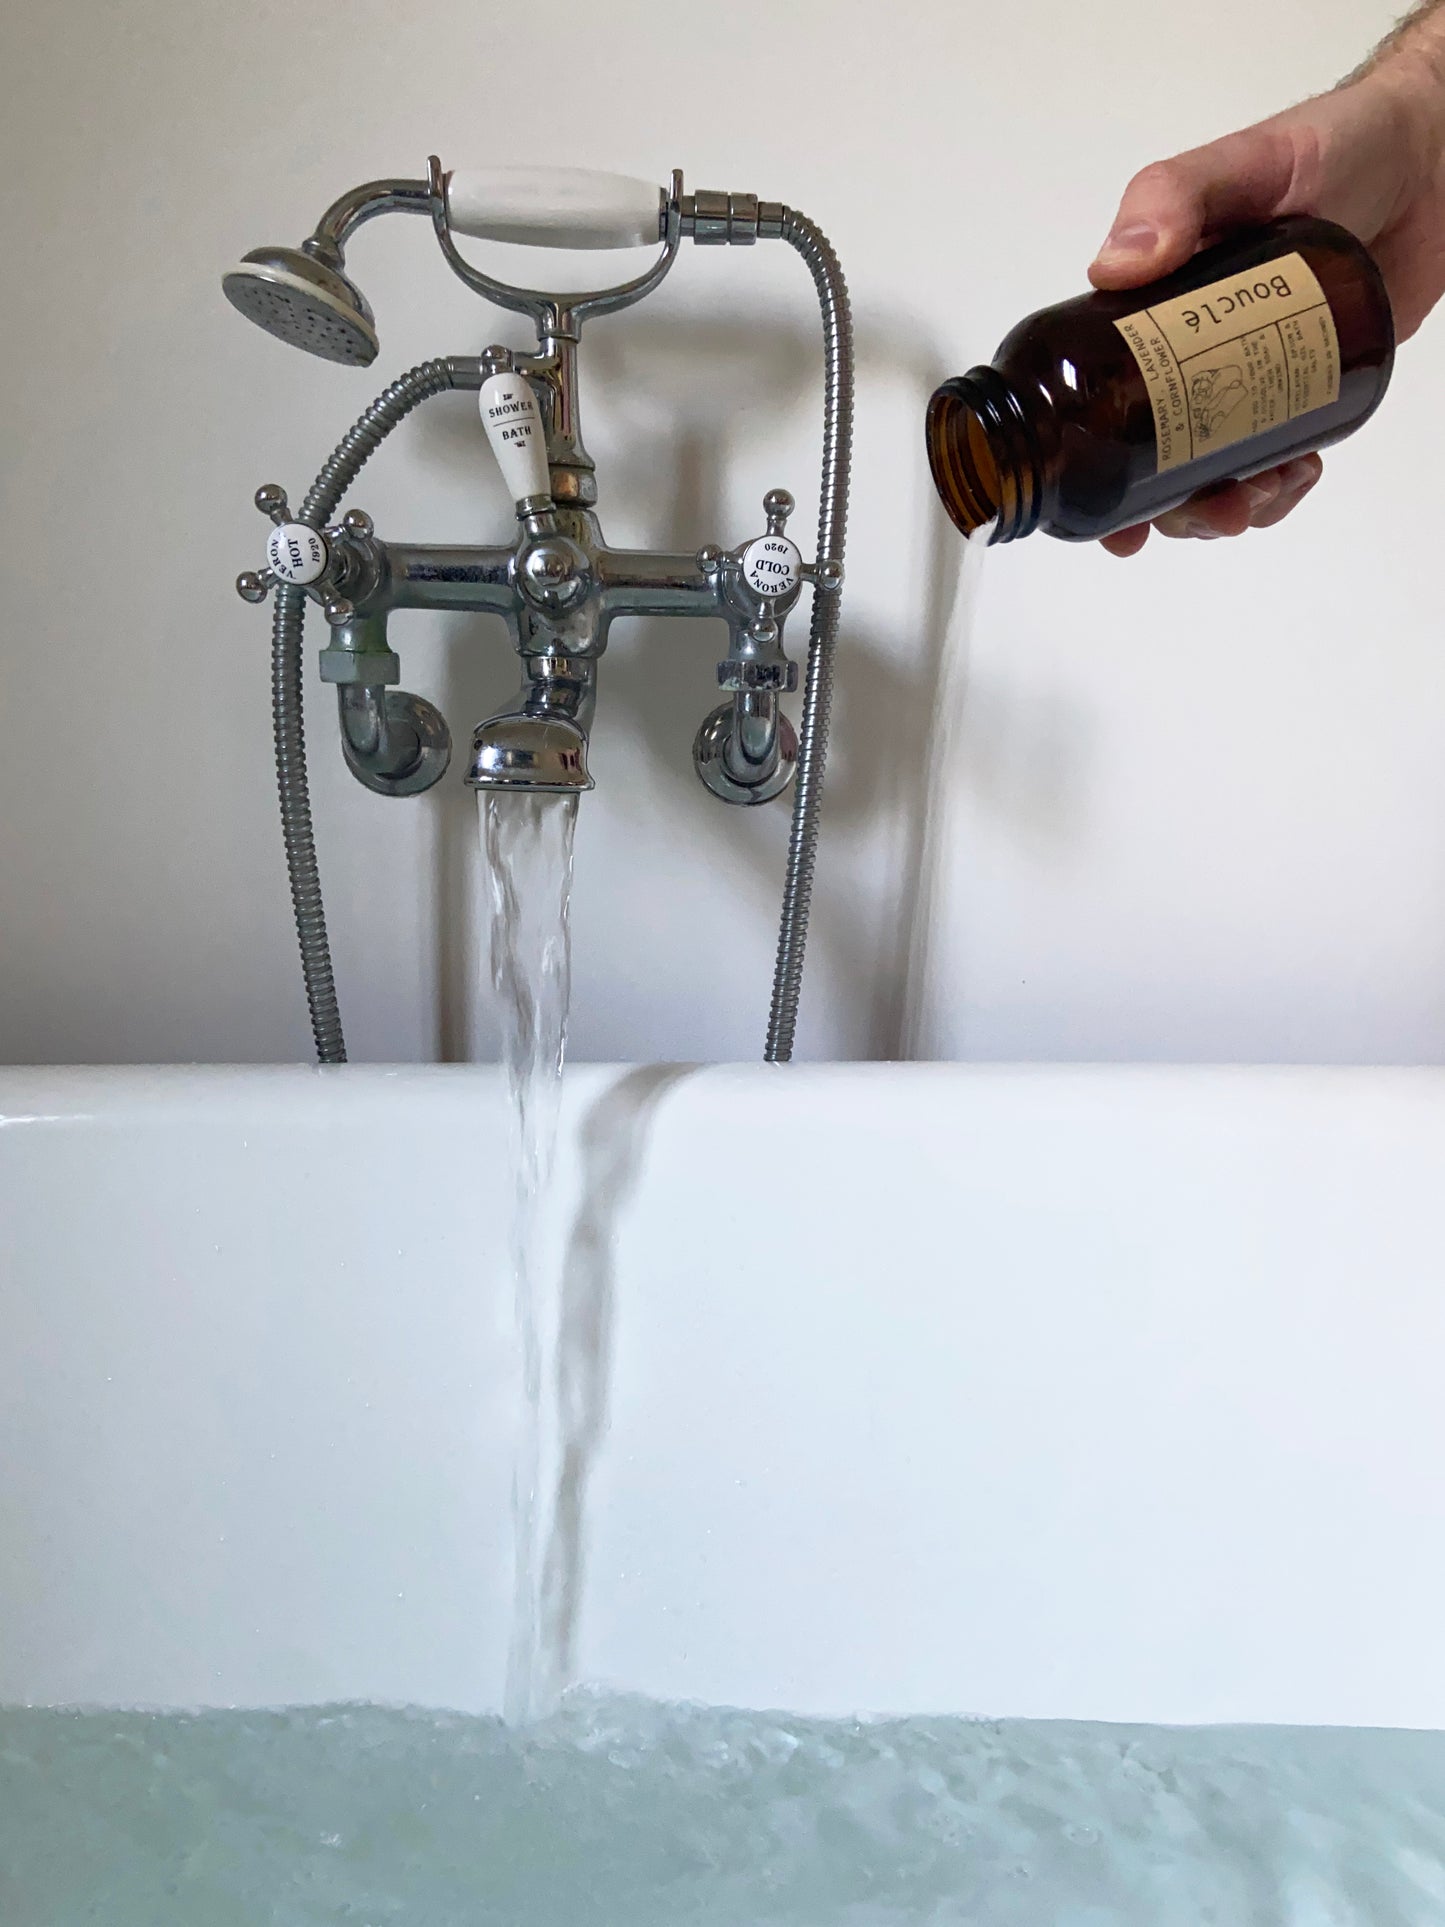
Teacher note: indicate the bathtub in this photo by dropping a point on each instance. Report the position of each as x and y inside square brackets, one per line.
[1098, 1394]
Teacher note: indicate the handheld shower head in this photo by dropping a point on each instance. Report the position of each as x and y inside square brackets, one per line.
[301, 300]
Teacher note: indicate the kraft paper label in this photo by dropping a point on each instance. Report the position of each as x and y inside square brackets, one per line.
[1235, 359]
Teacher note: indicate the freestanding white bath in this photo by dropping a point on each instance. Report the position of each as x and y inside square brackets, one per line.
[1072, 1393]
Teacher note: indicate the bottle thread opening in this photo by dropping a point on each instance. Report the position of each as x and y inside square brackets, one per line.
[985, 466]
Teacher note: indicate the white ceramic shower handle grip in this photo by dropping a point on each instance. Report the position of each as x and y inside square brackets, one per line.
[554, 207]
[513, 422]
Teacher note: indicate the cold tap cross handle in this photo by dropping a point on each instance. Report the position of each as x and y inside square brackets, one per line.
[555, 207]
[513, 422]
[772, 565]
[763, 577]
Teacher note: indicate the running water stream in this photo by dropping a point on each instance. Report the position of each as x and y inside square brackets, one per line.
[527, 845]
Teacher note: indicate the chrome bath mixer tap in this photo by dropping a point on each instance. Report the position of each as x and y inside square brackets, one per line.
[557, 584]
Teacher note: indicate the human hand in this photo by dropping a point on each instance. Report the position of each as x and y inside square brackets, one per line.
[1368, 156]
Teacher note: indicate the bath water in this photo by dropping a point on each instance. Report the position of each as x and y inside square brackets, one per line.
[527, 844]
[614, 1812]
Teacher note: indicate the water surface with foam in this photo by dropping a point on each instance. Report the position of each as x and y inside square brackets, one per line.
[618, 1812]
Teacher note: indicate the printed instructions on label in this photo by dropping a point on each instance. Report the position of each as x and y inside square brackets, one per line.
[1235, 359]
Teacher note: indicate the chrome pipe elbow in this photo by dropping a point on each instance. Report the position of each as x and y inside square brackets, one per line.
[394, 742]
[746, 750]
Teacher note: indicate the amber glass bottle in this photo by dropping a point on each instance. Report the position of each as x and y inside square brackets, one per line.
[1111, 408]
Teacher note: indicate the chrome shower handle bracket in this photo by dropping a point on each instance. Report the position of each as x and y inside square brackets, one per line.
[545, 307]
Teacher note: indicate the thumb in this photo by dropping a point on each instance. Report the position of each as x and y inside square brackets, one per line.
[1169, 209]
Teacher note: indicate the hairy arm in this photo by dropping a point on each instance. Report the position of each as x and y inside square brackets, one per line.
[1414, 37]
[1370, 154]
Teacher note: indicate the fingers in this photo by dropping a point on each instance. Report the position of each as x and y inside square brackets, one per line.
[1229, 510]
[1127, 542]
[1171, 207]
[1258, 503]
[1296, 481]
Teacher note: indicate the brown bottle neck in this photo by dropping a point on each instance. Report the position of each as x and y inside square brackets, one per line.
[985, 455]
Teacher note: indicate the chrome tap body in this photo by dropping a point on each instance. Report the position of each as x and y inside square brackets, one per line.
[557, 584]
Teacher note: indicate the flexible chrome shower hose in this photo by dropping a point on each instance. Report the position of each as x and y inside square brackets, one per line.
[324, 497]
[813, 245]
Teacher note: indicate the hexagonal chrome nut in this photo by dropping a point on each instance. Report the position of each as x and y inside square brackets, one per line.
[360, 665]
[781, 676]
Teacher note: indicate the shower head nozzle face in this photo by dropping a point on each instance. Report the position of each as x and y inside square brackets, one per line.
[305, 303]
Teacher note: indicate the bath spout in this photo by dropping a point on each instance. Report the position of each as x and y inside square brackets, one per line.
[543, 754]
[540, 743]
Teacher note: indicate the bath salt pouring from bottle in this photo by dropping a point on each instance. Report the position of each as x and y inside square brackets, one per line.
[1115, 407]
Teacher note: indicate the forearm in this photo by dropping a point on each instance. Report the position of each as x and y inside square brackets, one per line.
[1412, 52]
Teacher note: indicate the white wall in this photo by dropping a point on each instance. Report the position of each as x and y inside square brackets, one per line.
[1198, 803]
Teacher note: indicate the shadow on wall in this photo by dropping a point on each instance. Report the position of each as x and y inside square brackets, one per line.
[889, 726]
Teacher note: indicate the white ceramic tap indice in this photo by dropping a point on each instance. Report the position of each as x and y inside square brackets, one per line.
[513, 422]
[1106, 1394]
[297, 553]
[772, 565]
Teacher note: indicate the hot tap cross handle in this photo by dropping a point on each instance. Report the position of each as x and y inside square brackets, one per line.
[302, 556]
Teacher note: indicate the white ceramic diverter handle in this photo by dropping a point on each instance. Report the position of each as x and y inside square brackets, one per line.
[513, 422]
[554, 207]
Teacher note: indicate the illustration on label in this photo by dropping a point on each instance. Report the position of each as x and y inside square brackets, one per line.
[1235, 359]
[1214, 394]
